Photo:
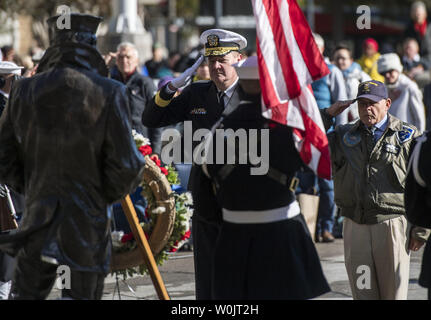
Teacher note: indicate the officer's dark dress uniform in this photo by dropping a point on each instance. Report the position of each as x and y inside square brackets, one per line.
[274, 259]
[199, 104]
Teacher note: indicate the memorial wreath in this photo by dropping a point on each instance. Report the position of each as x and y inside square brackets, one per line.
[167, 214]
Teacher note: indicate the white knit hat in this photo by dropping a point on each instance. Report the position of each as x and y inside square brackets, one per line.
[389, 61]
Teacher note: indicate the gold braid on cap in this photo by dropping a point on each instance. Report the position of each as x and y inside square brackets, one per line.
[215, 47]
[219, 51]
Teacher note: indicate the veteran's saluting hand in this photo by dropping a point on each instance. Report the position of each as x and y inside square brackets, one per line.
[338, 107]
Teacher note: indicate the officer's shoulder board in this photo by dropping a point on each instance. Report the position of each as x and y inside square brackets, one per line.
[202, 83]
[405, 134]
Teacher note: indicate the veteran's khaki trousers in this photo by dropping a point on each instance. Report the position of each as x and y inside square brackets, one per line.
[377, 259]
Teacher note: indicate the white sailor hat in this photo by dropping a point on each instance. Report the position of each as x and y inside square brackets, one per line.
[219, 42]
[7, 67]
[247, 69]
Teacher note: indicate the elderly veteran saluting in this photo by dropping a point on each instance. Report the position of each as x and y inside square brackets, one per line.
[369, 161]
[202, 103]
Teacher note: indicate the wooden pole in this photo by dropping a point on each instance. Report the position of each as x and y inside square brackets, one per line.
[141, 240]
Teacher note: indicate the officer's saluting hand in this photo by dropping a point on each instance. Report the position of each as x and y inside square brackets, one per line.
[184, 78]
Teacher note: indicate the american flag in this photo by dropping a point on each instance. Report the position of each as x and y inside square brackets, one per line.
[289, 61]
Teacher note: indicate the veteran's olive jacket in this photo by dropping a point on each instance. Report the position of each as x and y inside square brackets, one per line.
[369, 179]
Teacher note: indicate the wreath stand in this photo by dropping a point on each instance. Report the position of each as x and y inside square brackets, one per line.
[144, 247]
[146, 250]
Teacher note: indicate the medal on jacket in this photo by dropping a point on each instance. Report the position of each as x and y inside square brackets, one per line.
[352, 138]
[390, 148]
[405, 134]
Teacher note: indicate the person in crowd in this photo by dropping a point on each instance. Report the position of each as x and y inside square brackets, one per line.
[202, 72]
[419, 29]
[264, 250]
[414, 66]
[406, 98]
[141, 89]
[326, 90]
[353, 76]
[174, 60]
[27, 63]
[9, 73]
[330, 88]
[369, 162]
[368, 60]
[67, 145]
[8, 53]
[202, 103]
[157, 66]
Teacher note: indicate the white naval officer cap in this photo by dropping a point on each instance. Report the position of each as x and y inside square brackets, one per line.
[219, 42]
[7, 67]
[247, 69]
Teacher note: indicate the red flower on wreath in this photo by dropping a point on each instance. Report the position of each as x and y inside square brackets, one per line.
[164, 171]
[156, 160]
[185, 236]
[127, 237]
[145, 150]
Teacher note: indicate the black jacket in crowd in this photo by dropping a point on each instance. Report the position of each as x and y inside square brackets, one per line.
[140, 90]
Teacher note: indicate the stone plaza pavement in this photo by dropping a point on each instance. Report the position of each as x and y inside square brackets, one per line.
[178, 276]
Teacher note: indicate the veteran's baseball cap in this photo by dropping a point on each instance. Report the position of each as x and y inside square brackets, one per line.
[373, 90]
[219, 42]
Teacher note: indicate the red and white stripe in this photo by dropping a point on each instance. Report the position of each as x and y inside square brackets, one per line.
[289, 61]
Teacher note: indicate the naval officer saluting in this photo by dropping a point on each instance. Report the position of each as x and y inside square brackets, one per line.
[202, 103]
